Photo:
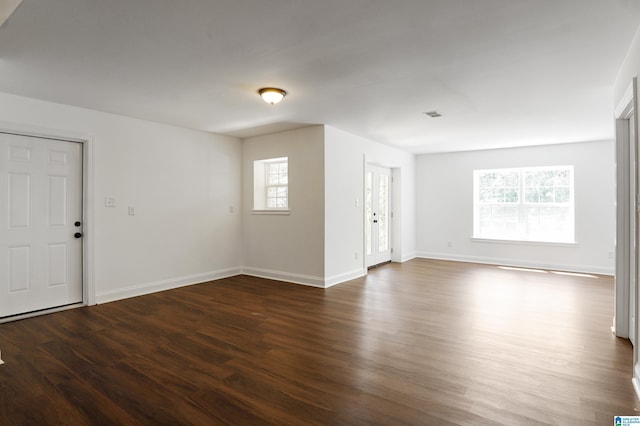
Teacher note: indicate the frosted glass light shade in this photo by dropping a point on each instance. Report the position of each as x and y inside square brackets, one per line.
[272, 95]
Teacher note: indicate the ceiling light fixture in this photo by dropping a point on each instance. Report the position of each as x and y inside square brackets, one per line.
[272, 95]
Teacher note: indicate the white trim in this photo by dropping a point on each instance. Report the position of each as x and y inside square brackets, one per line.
[153, 287]
[272, 212]
[348, 276]
[521, 242]
[625, 103]
[289, 277]
[520, 263]
[88, 228]
[408, 257]
[623, 111]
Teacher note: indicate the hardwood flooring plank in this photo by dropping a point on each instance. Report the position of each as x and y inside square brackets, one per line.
[423, 342]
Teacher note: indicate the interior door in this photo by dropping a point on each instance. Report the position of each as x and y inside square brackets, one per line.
[377, 215]
[40, 224]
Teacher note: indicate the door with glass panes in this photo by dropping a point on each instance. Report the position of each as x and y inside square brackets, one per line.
[377, 198]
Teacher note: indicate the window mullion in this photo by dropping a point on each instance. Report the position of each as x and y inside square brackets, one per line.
[522, 216]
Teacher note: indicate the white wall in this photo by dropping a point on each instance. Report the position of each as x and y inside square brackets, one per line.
[345, 157]
[287, 247]
[181, 182]
[629, 69]
[445, 207]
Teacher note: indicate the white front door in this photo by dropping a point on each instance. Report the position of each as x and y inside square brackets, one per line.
[40, 224]
[377, 195]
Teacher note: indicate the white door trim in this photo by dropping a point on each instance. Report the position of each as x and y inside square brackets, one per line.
[88, 170]
[623, 112]
[626, 109]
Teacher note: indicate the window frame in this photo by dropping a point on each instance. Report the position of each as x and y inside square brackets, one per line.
[522, 233]
[262, 186]
[276, 185]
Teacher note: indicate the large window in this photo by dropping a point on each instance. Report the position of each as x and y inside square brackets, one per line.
[526, 204]
[271, 184]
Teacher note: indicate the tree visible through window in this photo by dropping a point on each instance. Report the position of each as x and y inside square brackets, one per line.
[528, 204]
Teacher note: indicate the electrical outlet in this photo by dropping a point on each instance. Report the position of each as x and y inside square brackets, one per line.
[449, 244]
[109, 202]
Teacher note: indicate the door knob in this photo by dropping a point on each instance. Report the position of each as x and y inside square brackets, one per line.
[77, 235]
[375, 221]
[77, 224]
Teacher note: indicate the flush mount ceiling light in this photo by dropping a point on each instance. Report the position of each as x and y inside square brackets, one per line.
[272, 95]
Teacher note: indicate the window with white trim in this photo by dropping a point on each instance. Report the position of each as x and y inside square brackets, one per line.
[524, 204]
[271, 184]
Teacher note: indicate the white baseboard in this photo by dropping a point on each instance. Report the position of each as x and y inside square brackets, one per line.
[289, 277]
[408, 257]
[337, 279]
[520, 263]
[153, 287]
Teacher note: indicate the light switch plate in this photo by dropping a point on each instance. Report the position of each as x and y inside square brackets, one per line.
[109, 202]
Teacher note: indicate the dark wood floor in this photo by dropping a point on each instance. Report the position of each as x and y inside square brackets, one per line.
[425, 342]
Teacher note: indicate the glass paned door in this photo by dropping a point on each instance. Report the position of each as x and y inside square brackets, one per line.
[377, 196]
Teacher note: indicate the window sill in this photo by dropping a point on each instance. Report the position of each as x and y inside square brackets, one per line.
[271, 212]
[522, 242]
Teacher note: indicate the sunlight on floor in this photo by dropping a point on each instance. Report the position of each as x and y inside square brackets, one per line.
[541, 271]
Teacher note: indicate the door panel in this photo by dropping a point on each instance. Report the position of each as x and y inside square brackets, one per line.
[19, 200]
[377, 215]
[19, 269]
[41, 184]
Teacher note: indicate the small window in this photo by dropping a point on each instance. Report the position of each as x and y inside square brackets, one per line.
[526, 204]
[271, 184]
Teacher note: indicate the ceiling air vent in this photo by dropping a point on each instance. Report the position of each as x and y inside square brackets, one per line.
[433, 114]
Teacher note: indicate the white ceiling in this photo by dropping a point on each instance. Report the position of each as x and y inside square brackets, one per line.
[503, 72]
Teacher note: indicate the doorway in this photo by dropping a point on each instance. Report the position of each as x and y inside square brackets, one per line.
[41, 223]
[377, 196]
